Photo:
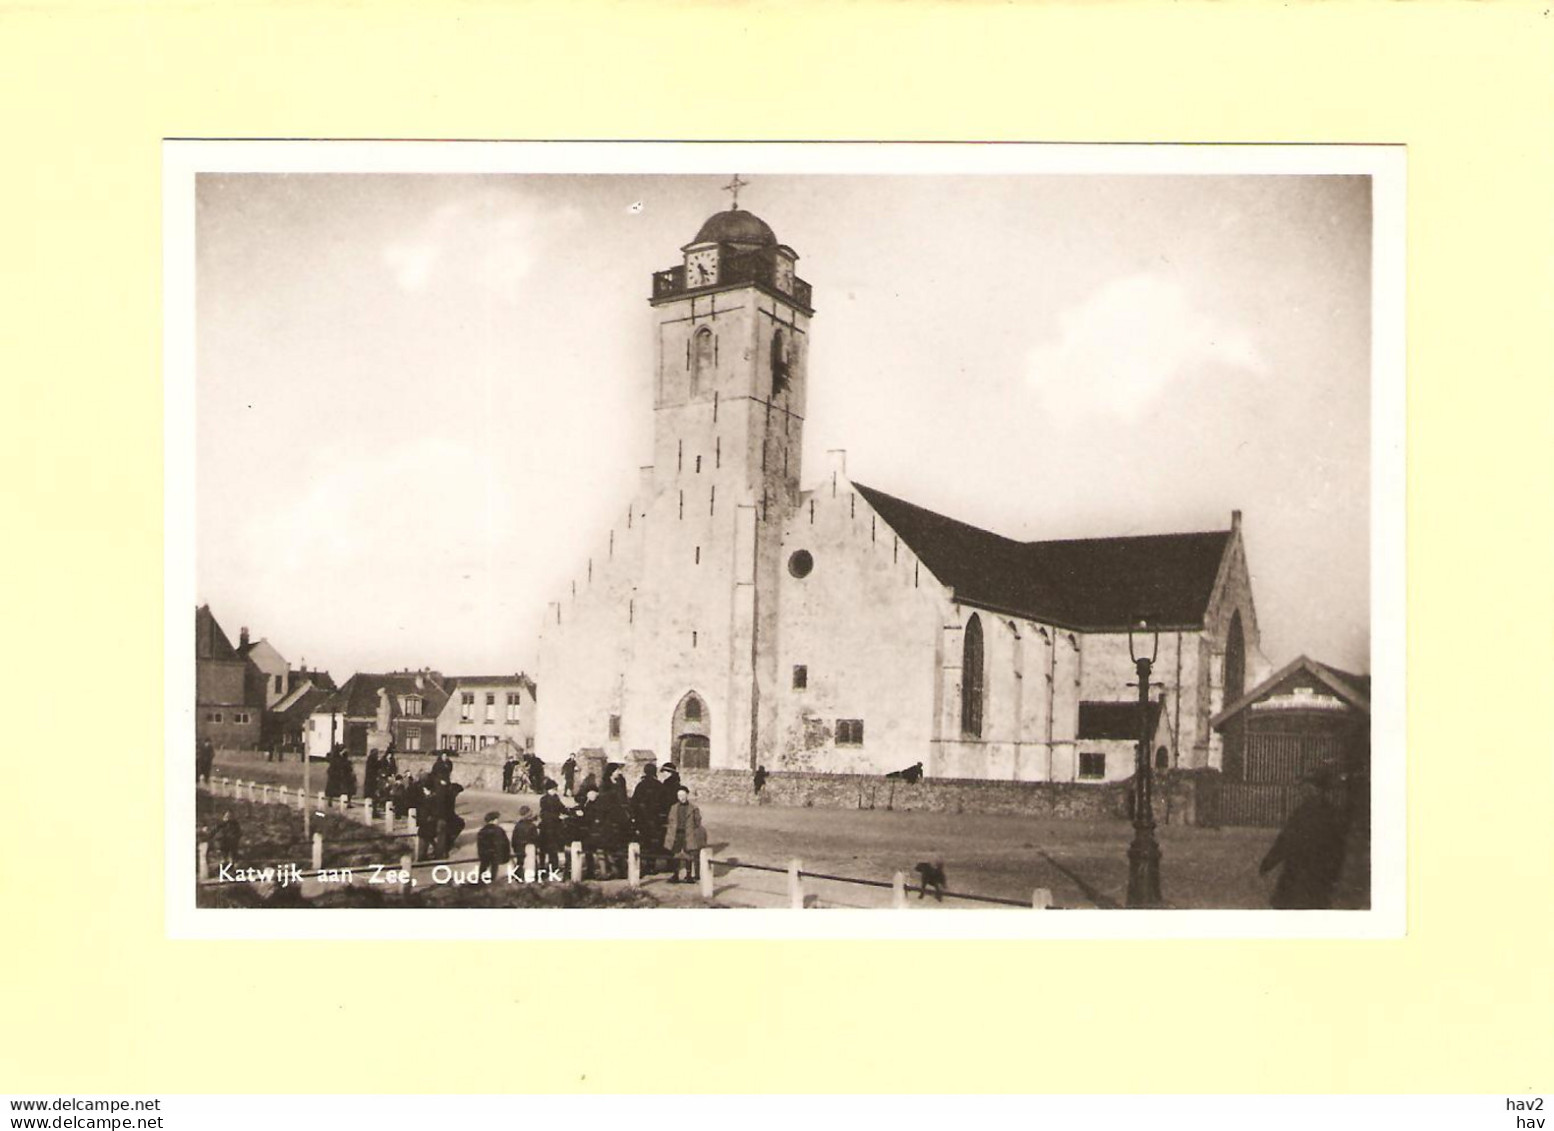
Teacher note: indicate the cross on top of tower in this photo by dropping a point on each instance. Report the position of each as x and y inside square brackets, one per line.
[733, 188]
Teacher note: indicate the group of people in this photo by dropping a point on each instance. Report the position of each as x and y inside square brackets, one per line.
[524, 774]
[605, 817]
[379, 772]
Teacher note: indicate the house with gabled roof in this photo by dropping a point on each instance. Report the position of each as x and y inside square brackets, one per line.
[372, 710]
[485, 710]
[228, 689]
[737, 615]
[1305, 717]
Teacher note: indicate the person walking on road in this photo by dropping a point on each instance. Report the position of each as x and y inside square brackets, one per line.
[1310, 848]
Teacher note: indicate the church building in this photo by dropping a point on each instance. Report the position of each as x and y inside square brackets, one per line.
[746, 612]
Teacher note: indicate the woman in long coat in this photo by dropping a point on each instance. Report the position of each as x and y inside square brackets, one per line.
[684, 837]
[553, 824]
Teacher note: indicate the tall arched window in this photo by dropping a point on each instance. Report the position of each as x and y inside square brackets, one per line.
[779, 362]
[701, 360]
[1235, 661]
[971, 684]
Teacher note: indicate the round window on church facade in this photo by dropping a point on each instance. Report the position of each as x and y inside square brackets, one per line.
[800, 563]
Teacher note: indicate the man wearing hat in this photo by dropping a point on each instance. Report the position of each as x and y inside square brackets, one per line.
[491, 847]
[1310, 847]
[646, 808]
[668, 793]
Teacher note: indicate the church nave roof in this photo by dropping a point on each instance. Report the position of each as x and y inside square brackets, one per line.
[1094, 584]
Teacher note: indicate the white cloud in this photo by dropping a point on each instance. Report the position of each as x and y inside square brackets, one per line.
[1119, 350]
[492, 238]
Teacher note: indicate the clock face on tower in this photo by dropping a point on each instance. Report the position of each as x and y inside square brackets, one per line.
[701, 268]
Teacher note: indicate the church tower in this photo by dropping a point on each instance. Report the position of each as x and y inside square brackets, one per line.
[730, 371]
[733, 332]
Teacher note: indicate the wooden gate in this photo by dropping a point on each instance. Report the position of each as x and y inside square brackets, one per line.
[1281, 758]
[1253, 803]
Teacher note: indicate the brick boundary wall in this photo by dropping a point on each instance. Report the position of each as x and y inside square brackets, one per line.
[1182, 797]
[473, 769]
[1176, 794]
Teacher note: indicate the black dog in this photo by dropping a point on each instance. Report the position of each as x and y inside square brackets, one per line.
[932, 876]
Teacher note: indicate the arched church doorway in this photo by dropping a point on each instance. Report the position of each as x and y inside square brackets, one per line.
[689, 741]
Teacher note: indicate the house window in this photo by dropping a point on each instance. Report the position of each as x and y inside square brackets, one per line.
[693, 709]
[615, 726]
[467, 707]
[800, 677]
[486, 740]
[412, 705]
[849, 732]
[279, 684]
[413, 738]
[513, 703]
[1162, 759]
[490, 707]
[1092, 767]
[971, 680]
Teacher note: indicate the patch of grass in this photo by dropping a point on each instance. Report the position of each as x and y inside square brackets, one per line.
[273, 834]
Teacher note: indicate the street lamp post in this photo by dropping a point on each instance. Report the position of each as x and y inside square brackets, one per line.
[1144, 852]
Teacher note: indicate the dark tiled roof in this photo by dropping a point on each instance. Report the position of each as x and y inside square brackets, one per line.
[321, 679]
[358, 697]
[210, 643]
[1114, 720]
[304, 705]
[1086, 583]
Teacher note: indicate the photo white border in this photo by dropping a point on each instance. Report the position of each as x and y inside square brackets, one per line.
[1386, 165]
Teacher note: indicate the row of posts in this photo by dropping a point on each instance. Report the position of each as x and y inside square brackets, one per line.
[1041, 899]
[530, 862]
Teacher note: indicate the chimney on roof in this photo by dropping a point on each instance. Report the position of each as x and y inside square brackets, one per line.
[1235, 520]
[420, 681]
[242, 637]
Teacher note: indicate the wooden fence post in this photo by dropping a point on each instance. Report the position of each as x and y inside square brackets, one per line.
[1041, 900]
[577, 861]
[367, 811]
[323, 802]
[220, 785]
[795, 885]
[318, 851]
[530, 863]
[204, 860]
[388, 816]
[704, 867]
[405, 877]
[898, 890]
[345, 803]
[634, 864]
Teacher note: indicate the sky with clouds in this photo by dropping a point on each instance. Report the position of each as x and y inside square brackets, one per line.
[422, 399]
